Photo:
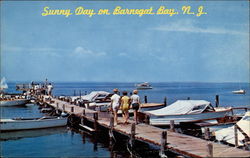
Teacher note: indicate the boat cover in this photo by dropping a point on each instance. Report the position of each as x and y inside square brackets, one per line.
[227, 134]
[182, 107]
[91, 96]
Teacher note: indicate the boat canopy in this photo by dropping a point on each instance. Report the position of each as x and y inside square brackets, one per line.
[183, 107]
[92, 96]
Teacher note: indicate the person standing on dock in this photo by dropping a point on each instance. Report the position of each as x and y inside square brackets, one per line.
[49, 89]
[125, 102]
[135, 102]
[115, 104]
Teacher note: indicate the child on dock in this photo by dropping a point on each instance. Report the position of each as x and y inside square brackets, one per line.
[125, 102]
[115, 104]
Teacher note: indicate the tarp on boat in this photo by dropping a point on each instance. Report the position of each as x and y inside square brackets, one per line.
[92, 96]
[227, 134]
[182, 107]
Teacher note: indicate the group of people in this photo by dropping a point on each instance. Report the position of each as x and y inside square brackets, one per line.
[44, 88]
[124, 103]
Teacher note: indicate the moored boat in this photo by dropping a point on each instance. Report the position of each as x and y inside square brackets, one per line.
[241, 91]
[144, 85]
[31, 123]
[186, 111]
[13, 102]
[228, 134]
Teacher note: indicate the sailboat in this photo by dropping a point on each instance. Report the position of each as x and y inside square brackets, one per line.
[3, 84]
[6, 100]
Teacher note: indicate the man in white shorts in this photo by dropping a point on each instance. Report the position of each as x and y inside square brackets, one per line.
[115, 104]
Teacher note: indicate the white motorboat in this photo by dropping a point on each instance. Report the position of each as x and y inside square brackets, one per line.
[13, 102]
[91, 97]
[186, 111]
[31, 123]
[144, 85]
[241, 91]
[94, 100]
[227, 134]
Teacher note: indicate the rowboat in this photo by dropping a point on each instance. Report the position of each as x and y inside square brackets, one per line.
[31, 123]
[186, 111]
[144, 85]
[13, 102]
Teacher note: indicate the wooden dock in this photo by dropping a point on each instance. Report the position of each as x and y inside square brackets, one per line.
[175, 142]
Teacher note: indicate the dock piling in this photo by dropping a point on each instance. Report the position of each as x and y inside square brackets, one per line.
[95, 115]
[217, 101]
[83, 112]
[57, 108]
[236, 136]
[145, 99]
[132, 135]
[63, 107]
[165, 101]
[209, 149]
[207, 133]
[163, 143]
[147, 119]
[172, 126]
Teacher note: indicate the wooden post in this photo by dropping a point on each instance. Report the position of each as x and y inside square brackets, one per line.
[82, 121]
[95, 120]
[132, 135]
[236, 136]
[172, 125]
[163, 143]
[80, 94]
[83, 112]
[145, 99]
[57, 108]
[188, 98]
[207, 133]
[217, 100]
[209, 149]
[147, 119]
[111, 124]
[165, 101]
[72, 109]
[63, 107]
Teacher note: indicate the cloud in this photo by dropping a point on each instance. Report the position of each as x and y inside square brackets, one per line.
[190, 27]
[84, 51]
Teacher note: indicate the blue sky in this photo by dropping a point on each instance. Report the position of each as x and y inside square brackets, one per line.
[125, 48]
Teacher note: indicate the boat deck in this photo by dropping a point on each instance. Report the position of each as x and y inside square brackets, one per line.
[176, 142]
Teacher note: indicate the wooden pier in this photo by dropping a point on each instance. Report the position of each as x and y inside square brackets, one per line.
[166, 139]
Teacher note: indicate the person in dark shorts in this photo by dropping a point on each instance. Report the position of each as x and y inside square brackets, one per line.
[135, 102]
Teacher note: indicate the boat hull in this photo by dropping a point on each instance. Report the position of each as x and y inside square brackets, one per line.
[13, 125]
[14, 102]
[165, 120]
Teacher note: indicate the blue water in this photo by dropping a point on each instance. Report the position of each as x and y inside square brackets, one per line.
[63, 142]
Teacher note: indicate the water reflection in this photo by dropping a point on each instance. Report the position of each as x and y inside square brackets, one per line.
[14, 135]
